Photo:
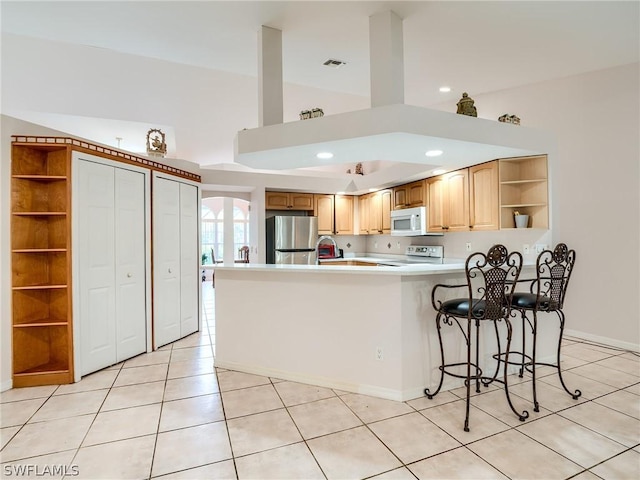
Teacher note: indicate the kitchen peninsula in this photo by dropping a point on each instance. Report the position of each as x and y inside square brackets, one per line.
[364, 329]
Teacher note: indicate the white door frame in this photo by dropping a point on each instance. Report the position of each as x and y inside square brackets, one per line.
[75, 264]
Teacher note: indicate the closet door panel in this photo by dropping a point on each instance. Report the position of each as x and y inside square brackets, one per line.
[166, 263]
[97, 259]
[130, 264]
[189, 261]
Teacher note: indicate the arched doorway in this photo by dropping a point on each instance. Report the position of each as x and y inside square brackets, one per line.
[225, 228]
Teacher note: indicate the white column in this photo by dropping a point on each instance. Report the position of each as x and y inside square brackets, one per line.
[386, 59]
[230, 253]
[269, 76]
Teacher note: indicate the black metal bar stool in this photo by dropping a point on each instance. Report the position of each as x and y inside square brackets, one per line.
[491, 280]
[546, 294]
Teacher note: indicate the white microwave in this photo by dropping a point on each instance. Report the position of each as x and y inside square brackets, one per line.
[410, 222]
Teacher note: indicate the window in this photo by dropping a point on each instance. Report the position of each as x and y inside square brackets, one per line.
[212, 217]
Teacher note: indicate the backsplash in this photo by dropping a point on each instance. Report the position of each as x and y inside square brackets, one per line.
[455, 243]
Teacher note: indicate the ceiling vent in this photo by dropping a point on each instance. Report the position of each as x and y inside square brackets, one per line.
[333, 63]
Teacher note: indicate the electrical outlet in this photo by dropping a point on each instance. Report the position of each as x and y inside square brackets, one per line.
[540, 247]
[468, 246]
[379, 354]
[398, 244]
[525, 249]
[375, 244]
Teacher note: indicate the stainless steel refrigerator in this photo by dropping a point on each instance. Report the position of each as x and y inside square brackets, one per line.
[292, 240]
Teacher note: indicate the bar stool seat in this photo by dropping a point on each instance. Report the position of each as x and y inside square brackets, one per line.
[530, 300]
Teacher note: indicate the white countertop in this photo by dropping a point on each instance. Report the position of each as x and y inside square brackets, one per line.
[404, 270]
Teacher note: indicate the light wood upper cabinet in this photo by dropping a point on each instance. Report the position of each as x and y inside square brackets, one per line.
[484, 209]
[289, 201]
[524, 188]
[363, 213]
[324, 210]
[343, 215]
[379, 212]
[448, 202]
[409, 195]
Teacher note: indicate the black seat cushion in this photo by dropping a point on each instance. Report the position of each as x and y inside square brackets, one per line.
[528, 301]
[460, 307]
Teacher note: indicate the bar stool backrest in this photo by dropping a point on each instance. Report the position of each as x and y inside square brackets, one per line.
[553, 272]
[491, 279]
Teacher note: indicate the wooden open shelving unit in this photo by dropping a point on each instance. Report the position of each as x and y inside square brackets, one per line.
[41, 265]
[524, 188]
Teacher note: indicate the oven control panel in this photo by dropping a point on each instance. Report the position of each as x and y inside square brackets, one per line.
[436, 251]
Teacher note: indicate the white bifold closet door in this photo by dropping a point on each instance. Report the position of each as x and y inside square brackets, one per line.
[175, 260]
[112, 288]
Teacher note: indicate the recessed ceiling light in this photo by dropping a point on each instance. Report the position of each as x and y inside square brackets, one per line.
[439, 171]
[445, 89]
[340, 193]
[433, 153]
[324, 155]
[373, 189]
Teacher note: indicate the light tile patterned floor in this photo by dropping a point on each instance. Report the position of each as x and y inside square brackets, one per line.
[171, 414]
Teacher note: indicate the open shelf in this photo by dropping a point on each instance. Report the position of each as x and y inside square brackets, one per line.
[524, 189]
[40, 260]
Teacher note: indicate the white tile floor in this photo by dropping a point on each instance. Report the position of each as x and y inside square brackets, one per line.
[170, 414]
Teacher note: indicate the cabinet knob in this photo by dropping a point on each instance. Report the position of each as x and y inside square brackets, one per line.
[470, 226]
[129, 275]
[169, 270]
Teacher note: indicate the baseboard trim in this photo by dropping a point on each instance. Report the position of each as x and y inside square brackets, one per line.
[604, 341]
[6, 385]
[372, 390]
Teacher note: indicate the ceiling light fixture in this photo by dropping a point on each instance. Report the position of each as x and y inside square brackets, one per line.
[433, 153]
[445, 89]
[439, 171]
[324, 155]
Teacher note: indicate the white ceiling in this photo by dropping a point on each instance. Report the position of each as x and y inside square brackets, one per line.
[476, 46]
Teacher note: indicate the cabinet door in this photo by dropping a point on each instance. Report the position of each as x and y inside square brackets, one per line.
[484, 210]
[344, 214]
[400, 199]
[375, 214]
[456, 207]
[301, 201]
[363, 213]
[324, 208]
[96, 257]
[415, 194]
[189, 259]
[130, 265]
[166, 261]
[385, 205]
[276, 200]
[435, 204]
